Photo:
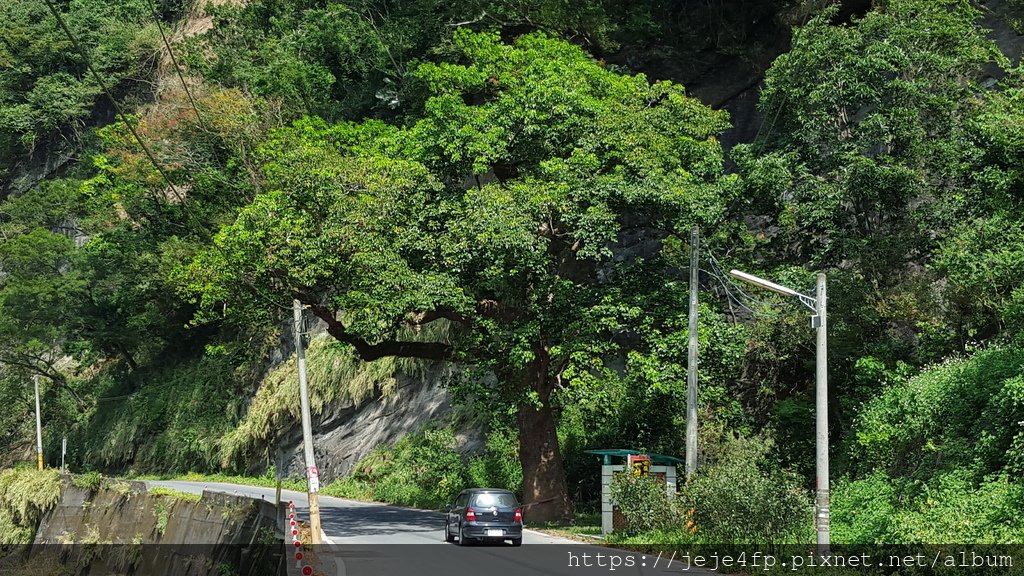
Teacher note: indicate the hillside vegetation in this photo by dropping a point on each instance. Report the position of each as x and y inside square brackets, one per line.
[509, 188]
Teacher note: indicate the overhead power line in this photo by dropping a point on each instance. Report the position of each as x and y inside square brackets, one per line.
[174, 61]
[124, 118]
[113, 102]
[735, 293]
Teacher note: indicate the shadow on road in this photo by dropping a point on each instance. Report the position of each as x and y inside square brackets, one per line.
[373, 520]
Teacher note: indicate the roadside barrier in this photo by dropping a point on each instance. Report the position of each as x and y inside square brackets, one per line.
[293, 527]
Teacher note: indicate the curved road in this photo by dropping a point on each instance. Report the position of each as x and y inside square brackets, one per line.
[352, 522]
[369, 539]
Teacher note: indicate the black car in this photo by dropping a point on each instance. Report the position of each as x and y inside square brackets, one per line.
[484, 514]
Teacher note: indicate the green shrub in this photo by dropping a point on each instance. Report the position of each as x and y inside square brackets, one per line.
[644, 503]
[171, 423]
[952, 508]
[740, 497]
[499, 466]
[25, 495]
[959, 414]
[89, 480]
[423, 469]
[863, 511]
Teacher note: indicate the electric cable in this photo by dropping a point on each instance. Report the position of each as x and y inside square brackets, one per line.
[174, 61]
[78, 48]
[113, 102]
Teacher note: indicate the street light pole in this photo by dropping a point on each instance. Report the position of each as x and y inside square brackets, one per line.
[820, 323]
[312, 476]
[39, 426]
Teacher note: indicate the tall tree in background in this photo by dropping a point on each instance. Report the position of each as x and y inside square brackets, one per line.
[504, 210]
[868, 126]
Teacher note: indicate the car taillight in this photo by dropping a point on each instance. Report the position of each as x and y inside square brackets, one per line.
[470, 515]
[519, 516]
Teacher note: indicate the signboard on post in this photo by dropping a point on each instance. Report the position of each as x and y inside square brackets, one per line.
[639, 464]
[314, 479]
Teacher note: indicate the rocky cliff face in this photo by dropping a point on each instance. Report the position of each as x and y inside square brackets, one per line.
[344, 433]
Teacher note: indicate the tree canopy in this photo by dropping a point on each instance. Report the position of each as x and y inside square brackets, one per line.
[501, 211]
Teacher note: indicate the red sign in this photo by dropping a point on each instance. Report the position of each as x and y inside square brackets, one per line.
[639, 464]
[314, 479]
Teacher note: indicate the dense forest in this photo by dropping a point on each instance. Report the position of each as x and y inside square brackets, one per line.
[507, 187]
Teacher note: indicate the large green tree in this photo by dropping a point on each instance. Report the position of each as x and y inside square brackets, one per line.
[873, 149]
[509, 209]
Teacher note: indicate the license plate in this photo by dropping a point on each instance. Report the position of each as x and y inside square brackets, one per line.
[495, 532]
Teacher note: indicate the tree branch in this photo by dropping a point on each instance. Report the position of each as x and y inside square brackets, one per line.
[369, 352]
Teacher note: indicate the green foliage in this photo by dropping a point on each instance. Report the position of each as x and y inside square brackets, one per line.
[537, 200]
[962, 414]
[423, 470]
[351, 59]
[334, 374]
[162, 515]
[499, 210]
[741, 496]
[175, 494]
[983, 259]
[864, 511]
[498, 466]
[171, 422]
[887, 132]
[268, 479]
[25, 495]
[45, 88]
[875, 147]
[88, 480]
[948, 508]
[644, 503]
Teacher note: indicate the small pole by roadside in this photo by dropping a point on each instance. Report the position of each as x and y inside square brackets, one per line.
[278, 466]
[312, 475]
[691, 362]
[39, 425]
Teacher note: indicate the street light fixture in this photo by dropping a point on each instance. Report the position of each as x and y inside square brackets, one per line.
[818, 321]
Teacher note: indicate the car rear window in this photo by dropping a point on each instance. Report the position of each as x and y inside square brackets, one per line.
[501, 500]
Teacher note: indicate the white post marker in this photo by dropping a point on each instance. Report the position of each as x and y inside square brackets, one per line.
[39, 425]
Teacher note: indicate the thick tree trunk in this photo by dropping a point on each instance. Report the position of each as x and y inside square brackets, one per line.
[545, 492]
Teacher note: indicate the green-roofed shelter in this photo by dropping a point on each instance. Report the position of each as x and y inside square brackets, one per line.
[656, 459]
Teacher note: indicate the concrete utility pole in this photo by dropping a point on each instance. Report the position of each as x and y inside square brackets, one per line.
[312, 475]
[39, 425]
[819, 322]
[821, 421]
[691, 362]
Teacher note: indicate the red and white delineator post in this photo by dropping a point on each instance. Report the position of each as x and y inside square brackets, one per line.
[293, 528]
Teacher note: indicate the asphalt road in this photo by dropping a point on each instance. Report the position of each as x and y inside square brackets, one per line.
[368, 539]
[352, 522]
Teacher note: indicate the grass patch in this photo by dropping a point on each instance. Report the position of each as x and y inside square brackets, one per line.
[25, 495]
[87, 480]
[333, 373]
[350, 488]
[163, 418]
[176, 494]
[581, 528]
[267, 480]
